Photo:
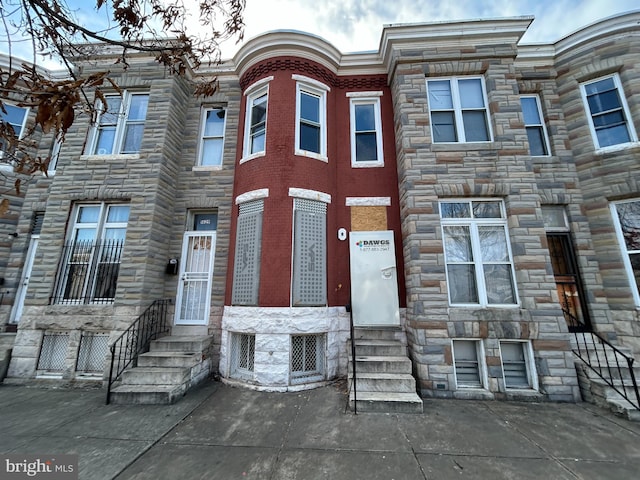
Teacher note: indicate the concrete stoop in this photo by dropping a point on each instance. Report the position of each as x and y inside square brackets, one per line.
[384, 382]
[173, 365]
[595, 390]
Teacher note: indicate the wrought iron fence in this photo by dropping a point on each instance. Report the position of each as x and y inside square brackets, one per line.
[88, 272]
[152, 324]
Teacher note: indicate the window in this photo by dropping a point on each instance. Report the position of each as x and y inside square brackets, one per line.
[309, 253]
[120, 127]
[246, 267]
[626, 217]
[536, 130]
[92, 353]
[608, 117]
[311, 129]
[53, 352]
[90, 262]
[243, 349]
[212, 138]
[477, 253]
[307, 358]
[13, 120]
[469, 369]
[517, 365]
[458, 110]
[366, 132]
[256, 123]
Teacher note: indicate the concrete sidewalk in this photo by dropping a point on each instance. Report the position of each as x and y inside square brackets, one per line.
[220, 432]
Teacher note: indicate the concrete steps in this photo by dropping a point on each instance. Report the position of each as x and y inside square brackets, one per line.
[384, 383]
[165, 373]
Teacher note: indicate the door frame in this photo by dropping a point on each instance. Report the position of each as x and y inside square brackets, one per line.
[21, 291]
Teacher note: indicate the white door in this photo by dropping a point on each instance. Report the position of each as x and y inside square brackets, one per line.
[374, 280]
[194, 286]
[21, 293]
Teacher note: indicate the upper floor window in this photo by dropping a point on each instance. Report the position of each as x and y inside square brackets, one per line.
[212, 138]
[311, 123]
[609, 118]
[534, 125]
[255, 134]
[14, 120]
[120, 126]
[477, 253]
[366, 132]
[626, 218]
[458, 110]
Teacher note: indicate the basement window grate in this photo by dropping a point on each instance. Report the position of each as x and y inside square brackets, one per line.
[307, 358]
[53, 351]
[243, 348]
[92, 354]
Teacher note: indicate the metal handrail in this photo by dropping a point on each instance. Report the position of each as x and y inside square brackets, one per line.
[152, 324]
[353, 361]
[606, 363]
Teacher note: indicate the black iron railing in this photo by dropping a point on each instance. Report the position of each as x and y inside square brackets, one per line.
[604, 359]
[88, 272]
[353, 361]
[152, 324]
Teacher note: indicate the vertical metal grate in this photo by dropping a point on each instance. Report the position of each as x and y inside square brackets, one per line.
[243, 347]
[514, 365]
[93, 352]
[53, 351]
[246, 271]
[307, 358]
[309, 253]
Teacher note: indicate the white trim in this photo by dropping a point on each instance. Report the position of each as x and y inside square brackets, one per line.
[633, 138]
[201, 138]
[309, 194]
[624, 251]
[457, 108]
[252, 195]
[368, 201]
[311, 81]
[248, 108]
[363, 94]
[480, 358]
[375, 101]
[314, 89]
[542, 123]
[257, 84]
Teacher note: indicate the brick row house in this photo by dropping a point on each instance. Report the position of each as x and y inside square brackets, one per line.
[476, 196]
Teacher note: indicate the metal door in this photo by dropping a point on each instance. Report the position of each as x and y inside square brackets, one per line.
[194, 287]
[374, 280]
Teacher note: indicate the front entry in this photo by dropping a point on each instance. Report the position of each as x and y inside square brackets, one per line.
[374, 280]
[194, 287]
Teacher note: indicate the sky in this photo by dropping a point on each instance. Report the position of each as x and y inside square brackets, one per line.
[356, 25]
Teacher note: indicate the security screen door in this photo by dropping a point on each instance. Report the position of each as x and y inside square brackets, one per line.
[196, 271]
[374, 283]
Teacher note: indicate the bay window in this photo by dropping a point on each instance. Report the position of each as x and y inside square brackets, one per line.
[311, 123]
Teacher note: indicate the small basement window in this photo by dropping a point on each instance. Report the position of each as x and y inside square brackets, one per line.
[517, 365]
[243, 348]
[469, 369]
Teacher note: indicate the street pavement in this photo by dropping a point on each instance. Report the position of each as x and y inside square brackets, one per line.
[221, 432]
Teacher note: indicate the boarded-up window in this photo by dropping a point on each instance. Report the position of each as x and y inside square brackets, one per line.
[246, 272]
[368, 218]
[309, 253]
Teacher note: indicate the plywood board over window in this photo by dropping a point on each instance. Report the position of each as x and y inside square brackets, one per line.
[368, 218]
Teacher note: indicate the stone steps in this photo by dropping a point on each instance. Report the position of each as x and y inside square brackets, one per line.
[384, 382]
[165, 373]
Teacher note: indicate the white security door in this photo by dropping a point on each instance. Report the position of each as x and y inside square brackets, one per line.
[374, 280]
[194, 287]
[16, 311]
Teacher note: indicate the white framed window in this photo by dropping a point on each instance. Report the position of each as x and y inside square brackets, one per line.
[458, 110]
[119, 127]
[243, 350]
[608, 113]
[366, 132]
[534, 125]
[468, 360]
[212, 137]
[518, 366]
[626, 219]
[477, 253]
[311, 118]
[14, 120]
[90, 262]
[255, 131]
[307, 358]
